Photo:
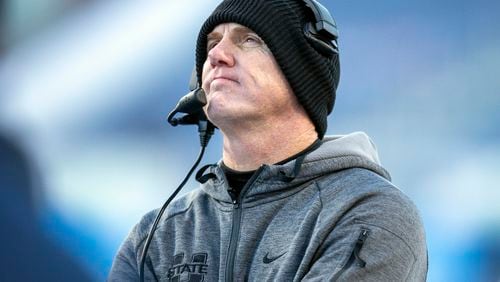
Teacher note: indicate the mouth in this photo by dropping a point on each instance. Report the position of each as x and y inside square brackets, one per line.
[224, 77]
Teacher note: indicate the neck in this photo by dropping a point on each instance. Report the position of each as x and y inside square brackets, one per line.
[246, 150]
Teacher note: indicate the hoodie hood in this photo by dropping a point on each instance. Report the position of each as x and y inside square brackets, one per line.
[341, 152]
[336, 153]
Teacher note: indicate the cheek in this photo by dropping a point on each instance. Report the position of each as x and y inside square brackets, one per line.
[204, 77]
[264, 69]
[272, 81]
[268, 80]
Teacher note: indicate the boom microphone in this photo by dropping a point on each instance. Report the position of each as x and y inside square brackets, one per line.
[192, 105]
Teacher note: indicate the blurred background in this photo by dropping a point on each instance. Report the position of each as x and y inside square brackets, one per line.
[85, 150]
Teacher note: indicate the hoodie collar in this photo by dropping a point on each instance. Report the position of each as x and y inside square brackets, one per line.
[355, 150]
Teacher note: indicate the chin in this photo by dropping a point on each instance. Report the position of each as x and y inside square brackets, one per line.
[220, 116]
[215, 112]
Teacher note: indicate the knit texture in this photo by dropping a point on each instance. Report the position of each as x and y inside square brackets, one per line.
[312, 76]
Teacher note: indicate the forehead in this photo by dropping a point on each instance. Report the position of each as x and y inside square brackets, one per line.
[222, 28]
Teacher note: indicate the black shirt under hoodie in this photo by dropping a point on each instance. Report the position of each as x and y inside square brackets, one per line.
[238, 179]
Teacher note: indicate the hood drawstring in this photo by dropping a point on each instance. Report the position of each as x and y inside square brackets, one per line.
[201, 177]
[288, 176]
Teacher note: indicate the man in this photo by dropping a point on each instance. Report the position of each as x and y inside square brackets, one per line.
[285, 203]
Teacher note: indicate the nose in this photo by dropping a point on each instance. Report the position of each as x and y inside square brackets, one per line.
[222, 54]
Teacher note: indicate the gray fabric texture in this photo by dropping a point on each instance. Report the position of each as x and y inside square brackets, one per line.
[339, 219]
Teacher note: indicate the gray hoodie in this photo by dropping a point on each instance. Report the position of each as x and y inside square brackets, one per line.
[335, 217]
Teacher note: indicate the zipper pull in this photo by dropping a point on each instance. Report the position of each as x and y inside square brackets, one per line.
[359, 244]
[234, 198]
[362, 236]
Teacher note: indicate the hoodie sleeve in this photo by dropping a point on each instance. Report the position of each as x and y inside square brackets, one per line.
[374, 254]
[126, 263]
[124, 266]
[379, 238]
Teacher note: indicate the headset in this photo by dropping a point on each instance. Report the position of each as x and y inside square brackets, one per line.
[321, 32]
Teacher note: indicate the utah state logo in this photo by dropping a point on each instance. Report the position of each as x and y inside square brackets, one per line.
[193, 271]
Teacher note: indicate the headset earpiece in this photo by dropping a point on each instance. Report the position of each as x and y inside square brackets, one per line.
[322, 32]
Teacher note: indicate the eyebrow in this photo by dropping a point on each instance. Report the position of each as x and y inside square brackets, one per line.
[239, 29]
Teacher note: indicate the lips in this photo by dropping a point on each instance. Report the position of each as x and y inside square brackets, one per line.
[224, 77]
[218, 78]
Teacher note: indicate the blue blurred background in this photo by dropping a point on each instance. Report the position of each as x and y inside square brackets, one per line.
[85, 150]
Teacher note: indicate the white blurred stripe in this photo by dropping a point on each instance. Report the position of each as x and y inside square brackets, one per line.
[61, 75]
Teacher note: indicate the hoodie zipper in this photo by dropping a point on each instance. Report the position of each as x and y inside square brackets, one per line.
[355, 254]
[235, 229]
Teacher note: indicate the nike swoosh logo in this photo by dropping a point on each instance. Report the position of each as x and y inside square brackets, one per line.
[267, 259]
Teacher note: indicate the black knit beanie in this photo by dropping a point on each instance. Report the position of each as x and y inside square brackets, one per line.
[312, 76]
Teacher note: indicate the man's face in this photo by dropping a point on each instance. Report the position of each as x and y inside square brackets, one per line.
[241, 79]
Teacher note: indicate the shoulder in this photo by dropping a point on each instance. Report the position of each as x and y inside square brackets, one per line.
[369, 195]
[361, 197]
[126, 263]
[180, 205]
[359, 186]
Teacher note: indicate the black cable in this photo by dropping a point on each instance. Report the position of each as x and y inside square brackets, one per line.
[162, 210]
[206, 130]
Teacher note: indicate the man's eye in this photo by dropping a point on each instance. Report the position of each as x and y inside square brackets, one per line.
[252, 41]
[211, 45]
